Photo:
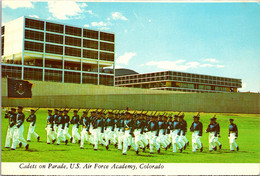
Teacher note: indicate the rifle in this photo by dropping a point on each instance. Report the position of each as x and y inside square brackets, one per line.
[164, 113]
[214, 116]
[198, 114]
[155, 112]
[135, 112]
[36, 110]
[65, 108]
[79, 109]
[179, 113]
[69, 110]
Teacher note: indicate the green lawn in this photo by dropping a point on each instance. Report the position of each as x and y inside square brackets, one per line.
[248, 141]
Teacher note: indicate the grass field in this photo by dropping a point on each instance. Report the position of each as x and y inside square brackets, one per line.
[248, 141]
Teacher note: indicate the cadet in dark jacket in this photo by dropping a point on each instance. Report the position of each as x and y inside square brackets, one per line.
[49, 128]
[153, 132]
[18, 131]
[139, 126]
[66, 125]
[162, 128]
[75, 127]
[11, 115]
[176, 130]
[120, 126]
[196, 129]
[31, 131]
[60, 125]
[232, 135]
[85, 133]
[109, 125]
[218, 131]
[55, 119]
[183, 138]
[212, 130]
[169, 132]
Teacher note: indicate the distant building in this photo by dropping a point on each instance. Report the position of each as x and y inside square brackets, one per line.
[36, 49]
[179, 81]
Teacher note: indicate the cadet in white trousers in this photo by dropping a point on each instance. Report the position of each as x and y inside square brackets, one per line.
[218, 132]
[75, 127]
[66, 125]
[98, 131]
[162, 125]
[18, 131]
[139, 126]
[212, 134]
[182, 139]
[153, 132]
[85, 134]
[233, 134]
[49, 128]
[55, 125]
[109, 125]
[31, 131]
[120, 134]
[11, 115]
[196, 129]
[60, 125]
[176, 129]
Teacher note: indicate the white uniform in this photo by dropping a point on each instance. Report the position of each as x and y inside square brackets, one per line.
[128, 140]
[196, 143]
[10, 130]
[50, 133]
[175, 140]
[60, 134]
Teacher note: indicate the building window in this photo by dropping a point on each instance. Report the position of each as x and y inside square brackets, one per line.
[53, 63]
[33, 46]
[73, 31]
[54, 49]
[2, 45]
[107, 37]
[72, 65]
[89, 68]
[33, 74]
[54, 38]
[106, 80]
[89, 78]
[72, 41]
[11, 72]
[71, 77]
[90, 54]
[72, 52]
[52, 27]
[107, 46]
[106, 56]
[90, 44]
[53, 75]
[90, 34]
[34, 35]
[35, 24]
[33, 61]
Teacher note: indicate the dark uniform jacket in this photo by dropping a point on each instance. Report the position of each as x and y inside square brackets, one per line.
[162, 126]
[67, 120]
[176, 125]
[196, 127]
[217, 128]
[120, 123]
[183, 125]
[153, 126]
[19, 119]
[169, 124]
[212, 128]
[12, 118]
[140, 124]
[85, 123]
[31, 118]
[109, 122]
[75, 120]
[98, 122]
[129, 125]
[55, 118]
[50, 120]
[60, 121]
[233, 128]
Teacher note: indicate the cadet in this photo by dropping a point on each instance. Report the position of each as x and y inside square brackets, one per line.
[183, 138]
[49, 128]
[85, 134]
[153, 128]
[128, 134]
[60, 125]
[169, 132]
[176, 130]
[233, 134]
[139, 126]
[116, 129]
[212, 134]
[120, 126]
[162, 127]
[10, 131]
[109, 124]
[66, 124]
[31, 131]
[218, 131]
[196, 129]
[98, 130]
[75, 122]
[18, 131]
[55, 119]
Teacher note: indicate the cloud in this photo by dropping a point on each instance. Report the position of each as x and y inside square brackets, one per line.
[149, 20]
[243, 86]
[17, 4]
[66, 9]
[118, 16]
[90, 12]
[220, 66]
[211, 60]
[206, 65]
[86, 25]
[101, 24]
[34, 16]
[125, 58]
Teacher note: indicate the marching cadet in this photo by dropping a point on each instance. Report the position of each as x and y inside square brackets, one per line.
[162, 127]
[31, 131]
[196, 129]
[218, 131]
[85, 134]
[212, 134]
[143, 135]
[92, 116]
[18, 131]
[139, 126]
[109, 124]
[120, 126]
[128, 134]
[176, 130]
[233, 134]
[49, 128]
[11, 115]
[183, 138]
[116, 129]
[169, 132]
[152, 127]
[55, 119]
[75, 122]
[66, 118]
[60, 125]
[98, 130]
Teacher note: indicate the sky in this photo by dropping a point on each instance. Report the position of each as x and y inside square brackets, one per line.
[220, 39]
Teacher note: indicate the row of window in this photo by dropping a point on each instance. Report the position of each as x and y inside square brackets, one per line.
[59, 28]
[55, 76]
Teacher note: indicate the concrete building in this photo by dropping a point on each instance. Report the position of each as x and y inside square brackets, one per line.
[179, 81]
[36, 49]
